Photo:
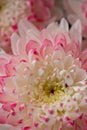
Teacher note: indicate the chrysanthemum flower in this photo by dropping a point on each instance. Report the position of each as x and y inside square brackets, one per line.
[77, 9]
[43, 85]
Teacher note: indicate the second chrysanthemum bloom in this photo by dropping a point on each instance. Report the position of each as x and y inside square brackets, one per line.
[10, 13]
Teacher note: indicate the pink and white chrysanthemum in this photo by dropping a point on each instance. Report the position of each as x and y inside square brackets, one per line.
[43, 85]
[77, 9]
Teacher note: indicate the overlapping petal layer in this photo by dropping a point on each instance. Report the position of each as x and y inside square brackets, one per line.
[77, 9]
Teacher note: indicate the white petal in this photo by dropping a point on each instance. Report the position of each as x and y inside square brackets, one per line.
[52, 28]
[69, 80]
[31, 35]
[24, 26]
[76, 32]
[64, 25]
[68, 61]
[14, 42]
[80, 75]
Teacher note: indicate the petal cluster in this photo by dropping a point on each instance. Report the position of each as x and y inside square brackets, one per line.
[43, 84]
[77, 9]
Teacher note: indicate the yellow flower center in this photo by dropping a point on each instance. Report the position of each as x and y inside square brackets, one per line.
[49, 91]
